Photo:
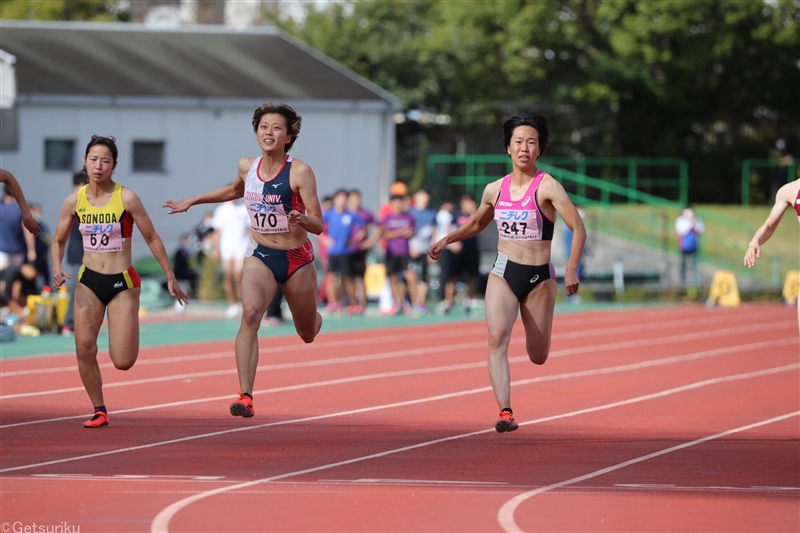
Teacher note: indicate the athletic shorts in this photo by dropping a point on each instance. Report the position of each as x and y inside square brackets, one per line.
[420, 267]
[340, 264]
[396, 264]
[465, 262]
[522, 278]
[106, 286]
[282, 263]
[358, 263]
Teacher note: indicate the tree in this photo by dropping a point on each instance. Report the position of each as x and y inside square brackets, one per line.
[88, 10]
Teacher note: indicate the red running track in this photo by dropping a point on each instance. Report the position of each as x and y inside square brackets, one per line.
[678, 419]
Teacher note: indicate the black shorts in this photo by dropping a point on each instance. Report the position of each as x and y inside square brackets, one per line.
[522, 278]
[358, 264]
[396, 264]
[106, 286]
[420, 267]
[465, 262]
[340, 264]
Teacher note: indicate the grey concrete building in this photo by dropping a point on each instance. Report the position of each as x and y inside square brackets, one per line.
[180, 103]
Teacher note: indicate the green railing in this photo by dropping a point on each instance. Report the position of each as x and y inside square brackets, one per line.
[476, 175]
[747, 164]
[634, 180]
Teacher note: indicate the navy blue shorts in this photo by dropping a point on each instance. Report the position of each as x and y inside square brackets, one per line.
[282, 263]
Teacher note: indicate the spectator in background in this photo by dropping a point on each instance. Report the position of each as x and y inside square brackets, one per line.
[73, 259]
[231, 238]
[10, 182]
[358, 256]
[444, 226]
[203, 237]
[397, 228]
[398, 188]
[16, 242]
[340, 226]
[42, 243]
[16, 284]
[568, 250]
[424, 226]
[465, 259]
[689, 228]
[182, 267]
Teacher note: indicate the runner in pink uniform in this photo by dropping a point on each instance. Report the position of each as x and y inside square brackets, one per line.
[788, 196]
[524, 204]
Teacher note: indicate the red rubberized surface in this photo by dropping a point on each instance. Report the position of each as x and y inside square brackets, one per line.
[325, 451]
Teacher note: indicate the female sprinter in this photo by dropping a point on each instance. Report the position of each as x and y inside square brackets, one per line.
[524, 204]
[788, 196]
[280, 194]
[106, 212]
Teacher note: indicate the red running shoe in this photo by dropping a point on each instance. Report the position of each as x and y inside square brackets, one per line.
[243, 406]
[98, 420]
[505, 422]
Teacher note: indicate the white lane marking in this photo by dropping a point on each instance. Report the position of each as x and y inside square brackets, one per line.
[161, 521]
[405, 403]
[128, 477]
[655, 486]
[321, 345]
[505, 516]
[464, 366]
[379, 481]
[388, 339]
[405, 353]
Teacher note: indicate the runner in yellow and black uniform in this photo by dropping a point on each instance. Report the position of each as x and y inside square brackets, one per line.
[106, 212]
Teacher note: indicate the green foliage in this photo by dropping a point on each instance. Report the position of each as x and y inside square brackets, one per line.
[86, 10]
[712, 81]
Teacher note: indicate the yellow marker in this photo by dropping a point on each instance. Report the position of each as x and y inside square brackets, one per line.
[791, 287]
[374, 278]
[724, 290]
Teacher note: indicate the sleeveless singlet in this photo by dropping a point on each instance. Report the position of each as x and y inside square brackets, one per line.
[797, 205]
[269, 202]
[103, 229]
[522, 220]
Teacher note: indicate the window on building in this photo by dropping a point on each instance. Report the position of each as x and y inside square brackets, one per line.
[148, 156]
[59, 154]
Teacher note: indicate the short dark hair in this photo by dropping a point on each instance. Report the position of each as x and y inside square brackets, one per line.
[6, 192]
[293, 120]
[340, 191]
[109, 142]
[537, 122]
[80, 178]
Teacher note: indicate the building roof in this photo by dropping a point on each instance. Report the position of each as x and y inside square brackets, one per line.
[124, 59]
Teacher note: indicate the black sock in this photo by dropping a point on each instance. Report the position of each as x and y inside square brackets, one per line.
[507, 409]
[248, 395]
[100, 408]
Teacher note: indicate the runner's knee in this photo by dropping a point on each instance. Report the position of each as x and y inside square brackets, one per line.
[538, 354]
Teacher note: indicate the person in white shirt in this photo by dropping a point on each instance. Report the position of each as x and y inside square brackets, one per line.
[231, 237]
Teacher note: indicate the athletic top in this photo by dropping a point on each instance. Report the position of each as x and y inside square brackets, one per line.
[797, 204]
[269, 202]
[103, 229]
[522, 220]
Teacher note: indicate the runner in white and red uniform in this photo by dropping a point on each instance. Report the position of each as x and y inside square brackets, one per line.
[788, 196]
[524, 204]
[280, 194]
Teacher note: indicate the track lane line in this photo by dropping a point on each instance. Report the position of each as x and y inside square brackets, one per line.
[377, 408]
[406, 353]
[161, 521]
[389, 339]
[463, 366]
[505, 516]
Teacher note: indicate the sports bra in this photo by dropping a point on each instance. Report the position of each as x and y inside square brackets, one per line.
[270, 202]
[522, 220]
[103, 229]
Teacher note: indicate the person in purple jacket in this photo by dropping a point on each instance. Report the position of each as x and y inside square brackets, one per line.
[358, 256]
[397, 228]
